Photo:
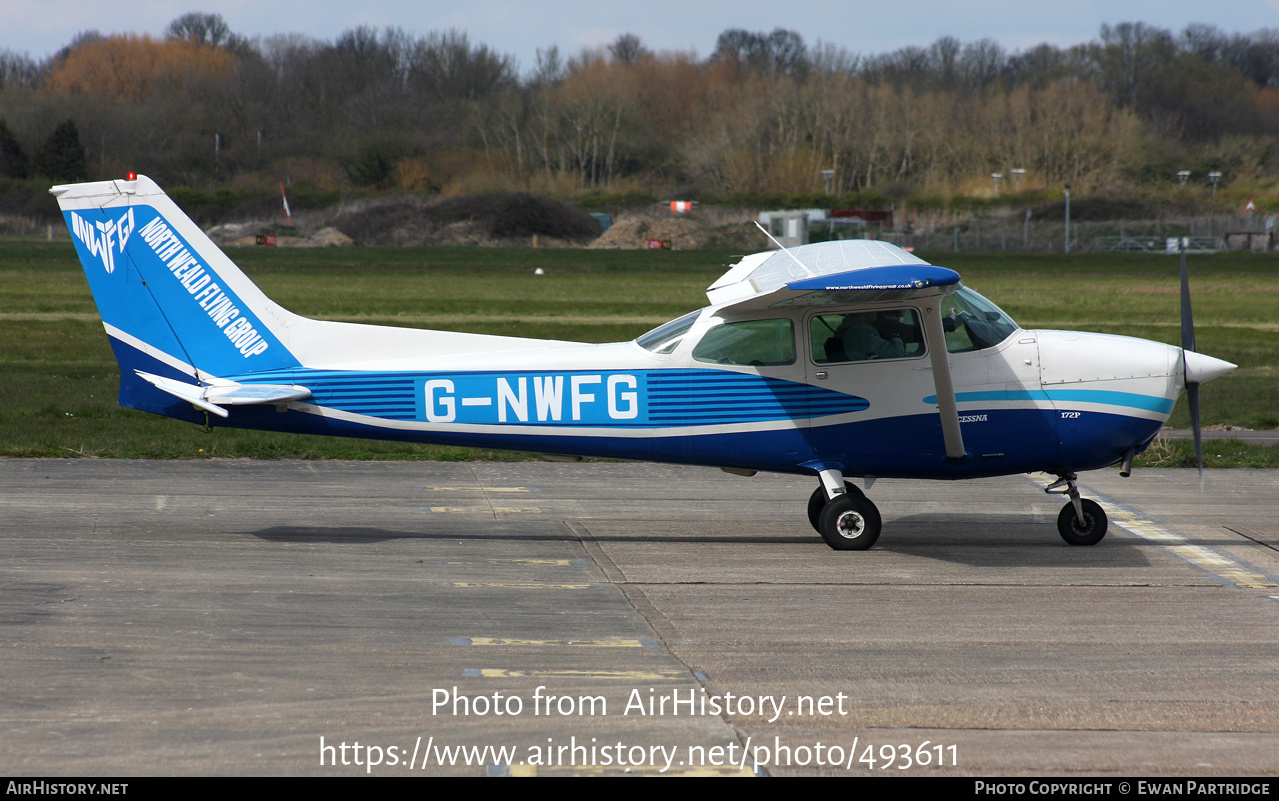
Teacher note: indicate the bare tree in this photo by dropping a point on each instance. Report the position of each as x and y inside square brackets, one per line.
[781, 51]
[447, 65]
[18, 70]
[981, 64]
[206, 29]
[1130, 53]
[628, 49]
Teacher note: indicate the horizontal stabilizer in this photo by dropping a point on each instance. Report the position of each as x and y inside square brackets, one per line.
[245, 394]
[226, 393]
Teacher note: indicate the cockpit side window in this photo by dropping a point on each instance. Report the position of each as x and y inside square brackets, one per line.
[866, 335]
[973, 323]
[756, 343]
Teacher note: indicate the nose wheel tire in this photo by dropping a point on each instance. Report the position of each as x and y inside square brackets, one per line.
[849, 523]
[1087, 531]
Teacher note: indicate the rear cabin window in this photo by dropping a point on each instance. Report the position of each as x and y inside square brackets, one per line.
[756, 343]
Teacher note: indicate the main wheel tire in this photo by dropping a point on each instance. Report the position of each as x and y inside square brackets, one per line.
[817, 501]
[850, 523]
[1088, 531]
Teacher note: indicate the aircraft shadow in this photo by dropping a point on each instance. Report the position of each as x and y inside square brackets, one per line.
[986, 541]
[361, 534]
[974, 540]
[517, 533]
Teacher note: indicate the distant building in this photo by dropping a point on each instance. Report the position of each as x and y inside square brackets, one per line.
[801, 226]
[790, 228]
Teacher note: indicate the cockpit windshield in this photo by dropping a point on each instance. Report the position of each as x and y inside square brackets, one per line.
[667, 336]
[973, 323]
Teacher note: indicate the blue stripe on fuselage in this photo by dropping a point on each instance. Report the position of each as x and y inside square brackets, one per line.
[1131, 400]
[592, 399]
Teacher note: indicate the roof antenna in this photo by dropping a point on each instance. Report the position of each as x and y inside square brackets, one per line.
[801, 264]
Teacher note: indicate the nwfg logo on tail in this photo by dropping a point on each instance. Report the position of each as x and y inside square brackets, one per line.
[104, 237]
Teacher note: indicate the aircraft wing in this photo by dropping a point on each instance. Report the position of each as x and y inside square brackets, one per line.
[828, 273]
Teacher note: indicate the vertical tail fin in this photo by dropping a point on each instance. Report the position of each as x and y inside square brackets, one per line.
[182, 318]
[166, 293]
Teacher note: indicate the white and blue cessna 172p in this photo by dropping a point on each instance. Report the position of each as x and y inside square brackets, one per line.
[835, 360]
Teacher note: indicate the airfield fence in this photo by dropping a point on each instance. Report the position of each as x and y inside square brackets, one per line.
[1207, 234]
[1153, 244]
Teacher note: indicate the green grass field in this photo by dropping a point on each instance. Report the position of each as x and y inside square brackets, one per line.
[58, 379]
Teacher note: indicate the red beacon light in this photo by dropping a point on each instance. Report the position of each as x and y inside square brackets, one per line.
[130, 176]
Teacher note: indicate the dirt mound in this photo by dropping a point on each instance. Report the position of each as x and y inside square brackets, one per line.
[499, 219]
[234, 233]
[684, 233]
[246, 235]
[329, 237]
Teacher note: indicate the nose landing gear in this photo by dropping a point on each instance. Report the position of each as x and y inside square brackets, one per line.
[1082, 521]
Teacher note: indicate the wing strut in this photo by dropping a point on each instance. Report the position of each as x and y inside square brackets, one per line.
[941, 382]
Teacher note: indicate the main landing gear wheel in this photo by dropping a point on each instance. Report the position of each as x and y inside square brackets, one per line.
[817, 501]
[1087, 531]
[849, 522]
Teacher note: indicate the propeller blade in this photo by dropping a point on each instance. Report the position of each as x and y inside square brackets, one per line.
[1187, 319]
[1192, 395]
[1188, 347]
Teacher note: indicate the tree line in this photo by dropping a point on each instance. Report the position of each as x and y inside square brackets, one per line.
[766, 112]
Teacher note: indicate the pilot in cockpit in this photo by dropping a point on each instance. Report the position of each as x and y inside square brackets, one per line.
[863, 338]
